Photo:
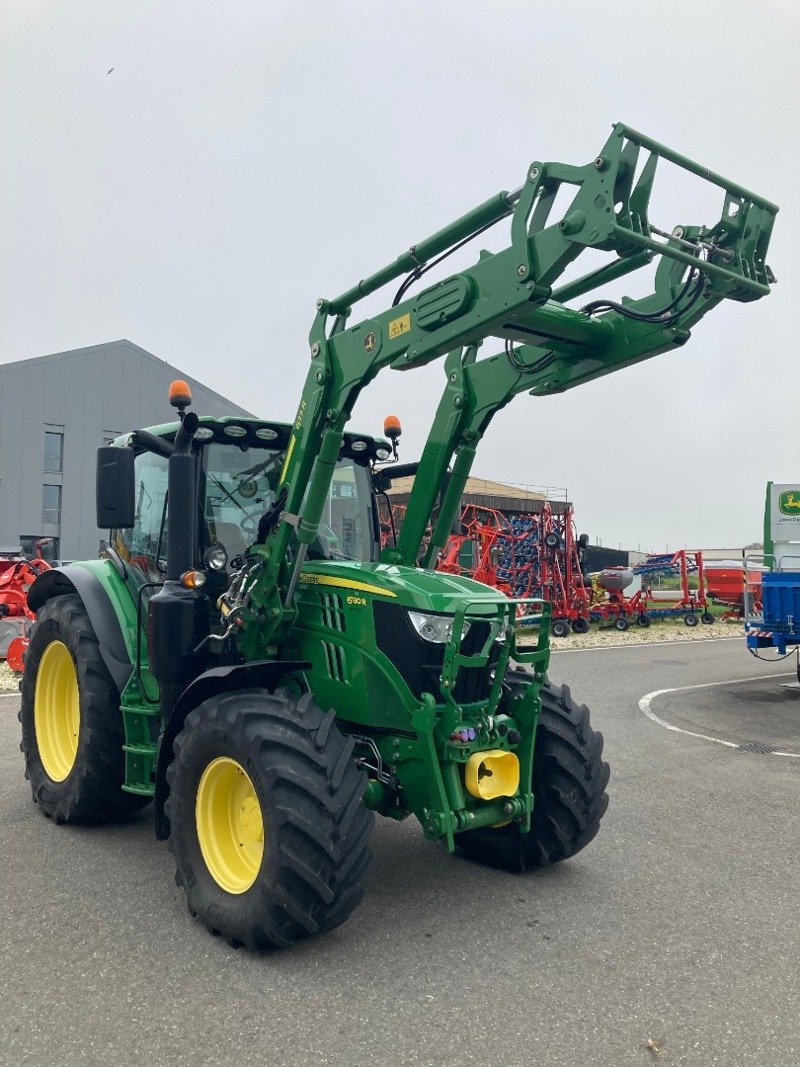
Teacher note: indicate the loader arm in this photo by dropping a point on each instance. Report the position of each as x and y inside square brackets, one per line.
[510, 295]
[476, 390]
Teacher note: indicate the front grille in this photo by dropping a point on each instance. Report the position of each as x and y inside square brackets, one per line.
[335, 662]
[332, 612]
[420, 662]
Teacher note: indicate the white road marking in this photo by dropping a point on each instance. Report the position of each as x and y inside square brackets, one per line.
[647, 700]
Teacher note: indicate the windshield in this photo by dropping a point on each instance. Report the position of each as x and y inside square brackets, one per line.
[237, 489]
[240, 487]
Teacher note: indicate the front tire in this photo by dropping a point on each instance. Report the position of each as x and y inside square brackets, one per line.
[72, 729]
[569, 788]
[267, 821]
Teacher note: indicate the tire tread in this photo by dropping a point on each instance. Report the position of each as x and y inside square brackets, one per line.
[569, 785]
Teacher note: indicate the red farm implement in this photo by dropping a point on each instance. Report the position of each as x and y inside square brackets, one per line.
[17, 575]
[726, 582]
[391, 519]
[475, 551]
[525, 555]
[610, 606]
[691, 603]
[643, 606]
[543, 558]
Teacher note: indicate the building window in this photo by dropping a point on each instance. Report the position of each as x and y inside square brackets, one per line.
[51, 504]
[34, 545]
[53, 452]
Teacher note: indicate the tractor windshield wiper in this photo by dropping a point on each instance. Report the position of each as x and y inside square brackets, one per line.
[219, 485]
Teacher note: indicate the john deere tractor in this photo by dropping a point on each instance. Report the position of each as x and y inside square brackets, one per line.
[246, 657]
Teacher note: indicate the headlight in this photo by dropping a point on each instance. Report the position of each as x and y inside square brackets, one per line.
[438, 629]
[216, 557]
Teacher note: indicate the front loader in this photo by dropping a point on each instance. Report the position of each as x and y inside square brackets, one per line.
[245, 654]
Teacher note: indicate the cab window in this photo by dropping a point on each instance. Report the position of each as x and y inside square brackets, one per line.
[144, 546]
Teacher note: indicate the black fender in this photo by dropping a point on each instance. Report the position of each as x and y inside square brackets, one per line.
[260, 674]
[74, 579]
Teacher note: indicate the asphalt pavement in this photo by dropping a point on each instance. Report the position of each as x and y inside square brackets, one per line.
[672, 939]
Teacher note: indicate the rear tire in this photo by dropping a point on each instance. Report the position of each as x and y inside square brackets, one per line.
[305, 797]
[569, 787]
[580, 625]
[643, 620]
[690, 618]
[621, 623]
[707, 618]
[559, 628]
[72, 737]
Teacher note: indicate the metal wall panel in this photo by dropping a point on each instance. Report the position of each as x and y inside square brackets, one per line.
[93, 391]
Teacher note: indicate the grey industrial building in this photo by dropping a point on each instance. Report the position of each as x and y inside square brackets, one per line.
[54, 413]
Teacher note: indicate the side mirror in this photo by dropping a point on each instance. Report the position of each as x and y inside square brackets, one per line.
[116, 488]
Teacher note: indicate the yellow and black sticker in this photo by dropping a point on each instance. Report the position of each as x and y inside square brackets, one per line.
[369, 342]
[344, 583]
[399, 326]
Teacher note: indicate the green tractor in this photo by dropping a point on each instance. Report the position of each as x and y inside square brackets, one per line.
[245, 655]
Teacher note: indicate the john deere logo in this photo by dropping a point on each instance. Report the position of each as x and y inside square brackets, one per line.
[789, 502]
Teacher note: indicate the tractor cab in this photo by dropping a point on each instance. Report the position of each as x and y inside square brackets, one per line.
[240, 461]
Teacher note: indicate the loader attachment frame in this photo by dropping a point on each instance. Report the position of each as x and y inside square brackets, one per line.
[548, 347]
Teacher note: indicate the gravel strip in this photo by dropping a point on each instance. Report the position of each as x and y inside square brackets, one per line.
[9, 682]
[656, 634]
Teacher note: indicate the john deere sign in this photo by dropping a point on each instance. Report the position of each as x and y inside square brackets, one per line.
[782, 524]
[789, 502]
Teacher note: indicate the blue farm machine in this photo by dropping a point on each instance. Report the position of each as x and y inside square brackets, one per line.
[774, 622]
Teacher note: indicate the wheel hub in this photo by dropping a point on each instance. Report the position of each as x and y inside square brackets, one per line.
[56, 711]
[230, 825]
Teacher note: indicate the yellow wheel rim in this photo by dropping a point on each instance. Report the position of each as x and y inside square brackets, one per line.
[230, 825]
[57, 711]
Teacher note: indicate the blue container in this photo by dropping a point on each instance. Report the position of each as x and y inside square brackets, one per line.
[780, 595]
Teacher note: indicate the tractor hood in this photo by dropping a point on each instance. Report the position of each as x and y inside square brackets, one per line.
[409, 586]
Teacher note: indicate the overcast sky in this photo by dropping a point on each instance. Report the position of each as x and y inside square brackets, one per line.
[245, 158]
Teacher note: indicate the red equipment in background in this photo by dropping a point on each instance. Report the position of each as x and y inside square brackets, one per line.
[485, 527]
[391, 519]
[17, 575]
[558, 575]
[616, 608]
[532, 555]
[645, 605]
[683, 563]
[726, 581]
[482, 528]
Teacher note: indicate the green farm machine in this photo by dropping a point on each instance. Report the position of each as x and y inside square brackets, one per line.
[244, 654]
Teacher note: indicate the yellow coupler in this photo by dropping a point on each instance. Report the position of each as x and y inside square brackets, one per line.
[492, 774]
